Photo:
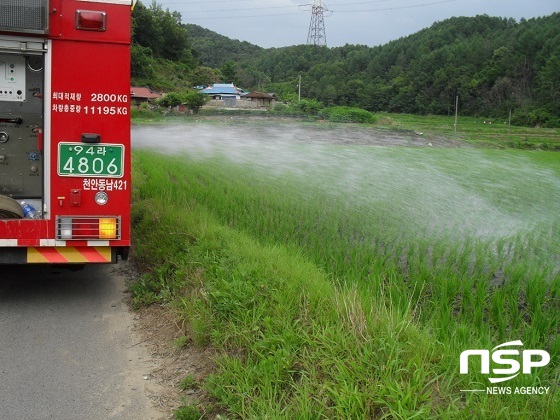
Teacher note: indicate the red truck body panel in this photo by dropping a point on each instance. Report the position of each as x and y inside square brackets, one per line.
[83, 145]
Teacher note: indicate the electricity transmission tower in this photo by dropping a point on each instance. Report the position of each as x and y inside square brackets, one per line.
[316, 34]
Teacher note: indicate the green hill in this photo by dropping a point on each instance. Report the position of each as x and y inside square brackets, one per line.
[214, 50]
[494, 65]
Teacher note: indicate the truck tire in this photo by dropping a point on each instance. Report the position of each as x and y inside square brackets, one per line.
[10, 208]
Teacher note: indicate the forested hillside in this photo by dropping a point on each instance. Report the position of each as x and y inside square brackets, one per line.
[493, 64]
[214, 50]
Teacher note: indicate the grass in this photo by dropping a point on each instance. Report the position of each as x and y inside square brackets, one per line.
[188, 382]
[332, 295]
[487, 132]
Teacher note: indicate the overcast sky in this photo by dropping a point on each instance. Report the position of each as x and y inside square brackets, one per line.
[281, 23]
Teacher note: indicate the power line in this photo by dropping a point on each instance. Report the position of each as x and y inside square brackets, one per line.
[237, 9]
[398, 7]
[243, 17]
[188, 2]
[293, 14]
[206, 2]
[361, 2]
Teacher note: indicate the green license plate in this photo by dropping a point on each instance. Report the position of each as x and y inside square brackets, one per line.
[91, 160]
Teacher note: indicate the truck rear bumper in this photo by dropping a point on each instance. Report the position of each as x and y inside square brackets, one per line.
[61, 255]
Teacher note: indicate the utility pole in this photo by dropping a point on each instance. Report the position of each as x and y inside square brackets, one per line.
[456, 111]
[299, 89]
[316, 34]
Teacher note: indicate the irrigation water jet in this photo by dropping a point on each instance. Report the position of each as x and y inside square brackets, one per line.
[415, 188]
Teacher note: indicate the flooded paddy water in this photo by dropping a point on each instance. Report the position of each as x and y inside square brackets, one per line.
[412, 184]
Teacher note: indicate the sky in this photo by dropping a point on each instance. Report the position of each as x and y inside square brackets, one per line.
[281, 23]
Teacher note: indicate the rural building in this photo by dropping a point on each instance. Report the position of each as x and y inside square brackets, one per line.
[139, 95]
[228, 95]
[223, 94]
[259, 99]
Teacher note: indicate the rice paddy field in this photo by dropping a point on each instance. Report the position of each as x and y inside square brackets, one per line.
[340, 271]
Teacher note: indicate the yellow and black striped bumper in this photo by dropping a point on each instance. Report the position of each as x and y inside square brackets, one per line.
[69, 255]
[58, 255]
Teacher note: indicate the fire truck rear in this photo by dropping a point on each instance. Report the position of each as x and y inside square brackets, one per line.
[64, 131]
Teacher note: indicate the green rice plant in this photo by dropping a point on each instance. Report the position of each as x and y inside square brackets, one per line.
[328, 303]
[499, 314]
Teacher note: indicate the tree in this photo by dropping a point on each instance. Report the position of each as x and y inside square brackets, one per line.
[229, 72]
[142, 62]
[171, 100]
[145, 29]
[195, 100]
[204, 76]
[192, 99]
[161, 31]
[548, 87]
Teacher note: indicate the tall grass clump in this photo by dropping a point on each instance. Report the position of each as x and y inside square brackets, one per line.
[346, 114]
[328, 305]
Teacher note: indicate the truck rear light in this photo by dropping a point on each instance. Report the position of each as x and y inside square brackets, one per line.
[91, 20]
[108, 228]
[88, 228]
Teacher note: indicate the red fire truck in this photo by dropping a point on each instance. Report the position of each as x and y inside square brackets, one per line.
[64, 131]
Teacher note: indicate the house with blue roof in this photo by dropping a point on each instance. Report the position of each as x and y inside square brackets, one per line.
[228, 95]
[226, 92]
